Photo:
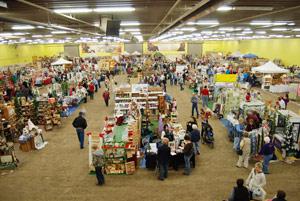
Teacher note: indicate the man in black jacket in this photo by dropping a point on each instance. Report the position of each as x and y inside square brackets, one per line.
[80, 124]
[195, 138]
[239, 193]
[163, 155]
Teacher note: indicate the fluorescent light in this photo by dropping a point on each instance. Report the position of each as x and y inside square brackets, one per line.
[130, 23]
[96, 24]
[22, 27]
[19, 33]
[37, 36]
[114, 9]
[225, 8]
[73, 10]
[261, 23]
[297, 29]
[48, 36]
[247, 32]
[226, 29]
[298, 36]
[279, 29]
[187, 29]
[59, 32]
[6, 34]
[204, 22]
[130, 30]
[260, 32]
[40, 27]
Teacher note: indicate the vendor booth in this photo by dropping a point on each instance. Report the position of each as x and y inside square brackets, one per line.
[272, 77]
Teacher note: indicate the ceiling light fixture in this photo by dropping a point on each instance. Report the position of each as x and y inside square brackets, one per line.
[73, 10]
[260, 32]
[205, 22]
[297, 29]
[186, 29]
[258, 23]
[37, 36]
[22, 27]
[130, 23]
[225, 8]
[279, 29]
[59, 32]
[114, 9]
[130, 30]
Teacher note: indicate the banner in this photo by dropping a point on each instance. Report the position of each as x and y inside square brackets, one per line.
[163, 47]
[101, 48]
[225, 77]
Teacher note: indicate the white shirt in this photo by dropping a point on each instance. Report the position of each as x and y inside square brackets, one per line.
[282, 104]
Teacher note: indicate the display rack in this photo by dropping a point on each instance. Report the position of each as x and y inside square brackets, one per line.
[146, 98]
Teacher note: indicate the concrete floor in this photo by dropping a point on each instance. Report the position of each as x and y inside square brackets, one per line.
[60, 171]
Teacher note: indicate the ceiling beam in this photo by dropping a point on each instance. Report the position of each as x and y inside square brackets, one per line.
[202, 8]
[59, 14]
[167, 15]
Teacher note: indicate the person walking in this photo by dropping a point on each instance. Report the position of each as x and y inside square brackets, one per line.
[255, 183]
[240, 192]
[98, 162]
[267, 152]
[163, 155]
[195, 102]
[205, 95]
[245, 149]
[106, 97]
[80, 125]
[195, 138]
[188, 152]
[91, 90]
[180, 82]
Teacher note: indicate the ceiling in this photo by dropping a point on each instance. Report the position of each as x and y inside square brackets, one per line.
[165, 20]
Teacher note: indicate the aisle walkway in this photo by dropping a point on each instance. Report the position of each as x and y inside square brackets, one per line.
[60, 171]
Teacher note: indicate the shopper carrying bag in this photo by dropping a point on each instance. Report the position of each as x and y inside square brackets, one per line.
[245, 150]
[255, 183]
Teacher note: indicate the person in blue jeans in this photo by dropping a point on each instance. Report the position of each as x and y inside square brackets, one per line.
[195, 138]
[188, 152]
[163, 155]
[80, 124]
[98, 162]
[195, 102]
[267, 151]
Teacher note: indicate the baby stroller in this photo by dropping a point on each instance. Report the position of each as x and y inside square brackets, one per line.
[207, 134]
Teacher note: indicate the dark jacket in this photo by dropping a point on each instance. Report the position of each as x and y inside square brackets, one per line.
[195, 135]
[79, 122]
[240, 194]
[279, 199]
[188, 149]
[163, 153]
[267, 149]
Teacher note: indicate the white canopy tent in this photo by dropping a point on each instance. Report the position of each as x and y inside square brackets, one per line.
[269, 68]
[136, 53]
[126, 54]
[60, 62]
[236, 55]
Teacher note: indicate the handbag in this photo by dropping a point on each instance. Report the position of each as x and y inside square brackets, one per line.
[239, 152]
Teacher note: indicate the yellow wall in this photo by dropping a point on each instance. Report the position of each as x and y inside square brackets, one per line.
[20, 54]
[288, 50]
